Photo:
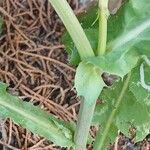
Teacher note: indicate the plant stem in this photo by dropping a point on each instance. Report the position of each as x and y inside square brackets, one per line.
[102, 135]
[83, 126]
[103, 16]
[74, 28]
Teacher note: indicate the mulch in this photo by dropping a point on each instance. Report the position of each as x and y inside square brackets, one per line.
[34, 65]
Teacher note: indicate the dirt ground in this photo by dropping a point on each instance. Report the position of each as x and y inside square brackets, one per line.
[34, 64]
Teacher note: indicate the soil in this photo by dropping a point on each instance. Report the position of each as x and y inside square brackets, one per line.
[34, 64]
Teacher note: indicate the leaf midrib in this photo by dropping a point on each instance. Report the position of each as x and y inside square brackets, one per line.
[27, 115]
[131, 34]
[112, 115]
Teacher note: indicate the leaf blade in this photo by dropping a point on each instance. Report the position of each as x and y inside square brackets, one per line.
[132, 112]
[34, 119]
[116, 62]
[88, 82]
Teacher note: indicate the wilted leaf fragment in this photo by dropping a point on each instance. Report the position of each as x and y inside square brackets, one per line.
[34, 119]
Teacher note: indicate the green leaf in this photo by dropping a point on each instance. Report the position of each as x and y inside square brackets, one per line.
[136, 27]
[139, 90]
[71, 49]
[128, 29]
[133, 27]
[34, 119]
[88, 82]
[116, 62]
[74, 57]
[132, 110]
[89, 18]
[89, 21]
[133, 115]
[101, 115]
[111, 136]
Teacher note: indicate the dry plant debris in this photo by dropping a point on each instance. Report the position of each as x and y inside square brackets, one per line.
[34, 65]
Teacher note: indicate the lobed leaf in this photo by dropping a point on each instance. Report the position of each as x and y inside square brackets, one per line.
[133, 111]
[34, 119]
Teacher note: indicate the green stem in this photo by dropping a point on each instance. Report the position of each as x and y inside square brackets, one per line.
[103, 16]
[101, 136]
[83, 126]
[74, 28]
